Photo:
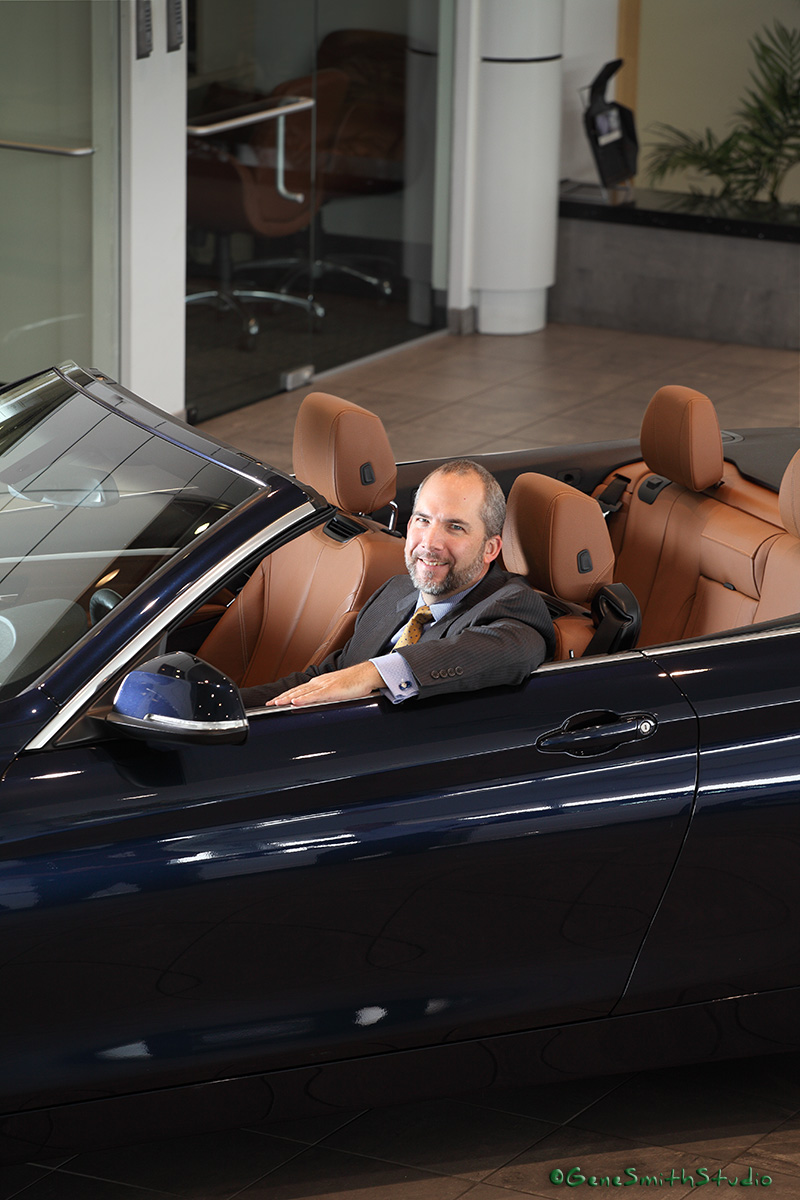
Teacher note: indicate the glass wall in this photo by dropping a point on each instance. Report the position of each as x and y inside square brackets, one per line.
[317, 235]
[59, 272]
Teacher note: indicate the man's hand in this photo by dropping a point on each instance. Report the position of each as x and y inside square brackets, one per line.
[349, 684]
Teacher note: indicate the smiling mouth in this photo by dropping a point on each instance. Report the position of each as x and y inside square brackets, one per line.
[431, 562]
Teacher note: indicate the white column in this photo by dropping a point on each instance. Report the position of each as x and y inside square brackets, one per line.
[153, 213]
[517, 145]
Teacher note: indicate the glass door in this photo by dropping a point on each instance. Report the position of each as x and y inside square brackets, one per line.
[254, 118]
[317, 231]
[383, 225]
[59, 274]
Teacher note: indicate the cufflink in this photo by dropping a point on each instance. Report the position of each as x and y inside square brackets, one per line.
[404, 686]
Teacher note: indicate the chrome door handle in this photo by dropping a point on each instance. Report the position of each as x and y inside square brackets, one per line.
[280, 107]
[39, 148]
[277, 111]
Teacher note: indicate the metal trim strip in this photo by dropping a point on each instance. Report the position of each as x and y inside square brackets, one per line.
[152, 429]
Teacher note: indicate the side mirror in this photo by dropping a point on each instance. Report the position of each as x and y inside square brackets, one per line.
[179, 698]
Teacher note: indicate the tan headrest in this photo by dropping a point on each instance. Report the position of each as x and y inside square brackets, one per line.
[680, 438]
[342, 450]
[556, 536]
[789, 497]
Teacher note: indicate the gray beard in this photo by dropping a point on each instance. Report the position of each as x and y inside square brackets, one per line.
[454, 581]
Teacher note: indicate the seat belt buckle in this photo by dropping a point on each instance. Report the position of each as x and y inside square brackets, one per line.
[610, 500]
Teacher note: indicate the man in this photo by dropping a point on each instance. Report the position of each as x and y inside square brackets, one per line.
[458, 621]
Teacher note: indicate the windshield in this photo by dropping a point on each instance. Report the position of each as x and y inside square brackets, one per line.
[90, 505]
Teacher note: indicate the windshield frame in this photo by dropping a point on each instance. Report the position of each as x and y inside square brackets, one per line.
[95, 489]
[270, 508]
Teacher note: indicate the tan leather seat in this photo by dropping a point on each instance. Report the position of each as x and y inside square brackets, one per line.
[780, 586]
[657, 555]
[556, 537]
[693, 537]
[301, 602]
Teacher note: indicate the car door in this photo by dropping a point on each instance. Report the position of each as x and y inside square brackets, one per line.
[355, 878]
[729, 924]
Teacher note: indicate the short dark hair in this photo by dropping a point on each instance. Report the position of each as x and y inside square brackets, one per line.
[493, 509]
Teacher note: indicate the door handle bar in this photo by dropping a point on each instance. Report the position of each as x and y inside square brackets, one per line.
[39, 148]
[594, 739]
[279, 113]
[287, 106]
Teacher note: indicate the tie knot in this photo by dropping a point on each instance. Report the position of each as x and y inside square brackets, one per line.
[413, 630]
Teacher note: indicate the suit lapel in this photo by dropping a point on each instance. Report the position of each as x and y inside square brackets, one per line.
[389, 609]
[405, 604]
[489, 584]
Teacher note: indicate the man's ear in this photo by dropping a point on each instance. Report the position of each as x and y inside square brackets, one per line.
[492, 548]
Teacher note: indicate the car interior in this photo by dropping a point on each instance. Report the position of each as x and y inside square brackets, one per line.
[704, 548]
[302, 600]
[674, 542]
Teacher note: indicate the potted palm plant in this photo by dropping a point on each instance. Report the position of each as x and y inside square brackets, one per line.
[752, 161]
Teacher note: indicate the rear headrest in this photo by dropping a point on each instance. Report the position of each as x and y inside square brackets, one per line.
[556, 536]
[342, 450]
[680, 438]
[789, 497]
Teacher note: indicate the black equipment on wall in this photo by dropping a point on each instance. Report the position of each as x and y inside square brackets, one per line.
[611, 130]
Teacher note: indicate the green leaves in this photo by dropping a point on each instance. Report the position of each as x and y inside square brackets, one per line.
[752, 162]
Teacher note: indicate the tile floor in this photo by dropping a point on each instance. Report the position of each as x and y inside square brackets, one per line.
[442, 396]
[446, 395]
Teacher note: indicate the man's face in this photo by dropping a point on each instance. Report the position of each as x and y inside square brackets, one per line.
[446, 545]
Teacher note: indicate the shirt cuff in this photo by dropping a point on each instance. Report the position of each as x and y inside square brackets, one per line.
[396, 674]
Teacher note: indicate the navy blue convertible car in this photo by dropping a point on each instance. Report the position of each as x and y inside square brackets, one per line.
[209, 914]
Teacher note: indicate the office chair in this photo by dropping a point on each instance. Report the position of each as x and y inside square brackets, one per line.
[226, 194]
[366, 156]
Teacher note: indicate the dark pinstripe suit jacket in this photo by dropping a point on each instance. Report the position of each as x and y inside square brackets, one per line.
[499, 633]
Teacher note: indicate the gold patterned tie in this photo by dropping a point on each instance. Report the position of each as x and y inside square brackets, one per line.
[413, 630]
